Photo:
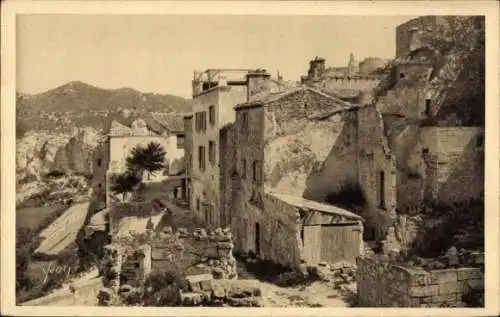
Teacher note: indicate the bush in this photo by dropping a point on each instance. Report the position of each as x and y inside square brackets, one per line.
[349, 196]
[461, 225]
[164, 289]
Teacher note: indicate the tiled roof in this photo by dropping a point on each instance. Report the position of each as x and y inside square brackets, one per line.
[313, 205]
[268, 97]
[118, 129]
[173, 121]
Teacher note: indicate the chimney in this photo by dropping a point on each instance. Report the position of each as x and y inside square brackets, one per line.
[256, 81]
[197, 83]
[222, 81]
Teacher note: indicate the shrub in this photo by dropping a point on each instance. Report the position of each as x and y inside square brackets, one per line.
[349, 196]
[461, 225]
[164, 289]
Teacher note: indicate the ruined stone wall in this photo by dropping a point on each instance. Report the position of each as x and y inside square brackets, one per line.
[375, 157]
[349, 83]
[382, 284]
[451, 161]
[134, 257]
[99, 179]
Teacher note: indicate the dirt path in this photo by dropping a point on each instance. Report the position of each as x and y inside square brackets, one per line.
[318, 294]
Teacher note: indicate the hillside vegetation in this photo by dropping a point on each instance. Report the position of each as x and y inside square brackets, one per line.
[82, 105]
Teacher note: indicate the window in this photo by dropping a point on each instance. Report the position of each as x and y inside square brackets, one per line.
[382, 189]
[201, 158]
[427, 106]
[401, 75]
[200, 121]
[211, 151]
[198, 204]
[211, 115]
[244, 117]
[99, 162]
[100, 185]
[243, 168]
[180, 141]
[256, 171]
[425, 151]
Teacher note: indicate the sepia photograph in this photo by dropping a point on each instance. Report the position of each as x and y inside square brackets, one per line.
[250, 160]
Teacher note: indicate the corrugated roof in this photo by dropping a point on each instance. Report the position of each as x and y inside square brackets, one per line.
[317, 206]
[173, 121]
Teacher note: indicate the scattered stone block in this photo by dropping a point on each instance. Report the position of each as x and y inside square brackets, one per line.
[469, 274]
[424, 291]
[191, 299]
[443, 276]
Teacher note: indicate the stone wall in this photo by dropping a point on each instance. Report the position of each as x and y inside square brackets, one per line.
[99, 179]
[375, 157]
[134, 257]
[277, 224]
[382, 284]
[341, 83]
[404, 35]
[451, 161]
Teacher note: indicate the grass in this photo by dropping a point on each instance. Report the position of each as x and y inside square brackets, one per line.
[34, 218]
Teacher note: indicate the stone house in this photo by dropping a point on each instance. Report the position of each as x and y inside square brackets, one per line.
[290, 146]
[215, 93]
[110, 156]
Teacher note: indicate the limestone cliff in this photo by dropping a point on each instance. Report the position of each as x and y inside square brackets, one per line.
[40, 153]
[53, 167]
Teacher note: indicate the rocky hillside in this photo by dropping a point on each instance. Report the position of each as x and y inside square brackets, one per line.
[58, 130]
[82, 105]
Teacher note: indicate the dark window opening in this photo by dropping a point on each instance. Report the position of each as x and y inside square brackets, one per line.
[369, 234]
[245, 121]
[427, 106]
[100, 185]
[211, 115]
[257, 238]
[201, 158]
[211, 151]
[99, 162]
[401, 75]
[180, 141]
[255, 170]
[382, 189]
[198, 204]
[425, 151]
[480, 141]
[243, 168]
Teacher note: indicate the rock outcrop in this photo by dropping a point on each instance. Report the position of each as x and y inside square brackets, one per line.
[40, 153]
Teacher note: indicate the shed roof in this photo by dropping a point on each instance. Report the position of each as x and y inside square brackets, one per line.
[314, 205]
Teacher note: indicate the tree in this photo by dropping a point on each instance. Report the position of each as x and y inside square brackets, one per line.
[146, 159]
[124, 183]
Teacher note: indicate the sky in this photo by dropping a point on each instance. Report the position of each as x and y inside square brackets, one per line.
[158, 53]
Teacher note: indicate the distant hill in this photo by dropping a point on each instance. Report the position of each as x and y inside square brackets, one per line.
[77, 104]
